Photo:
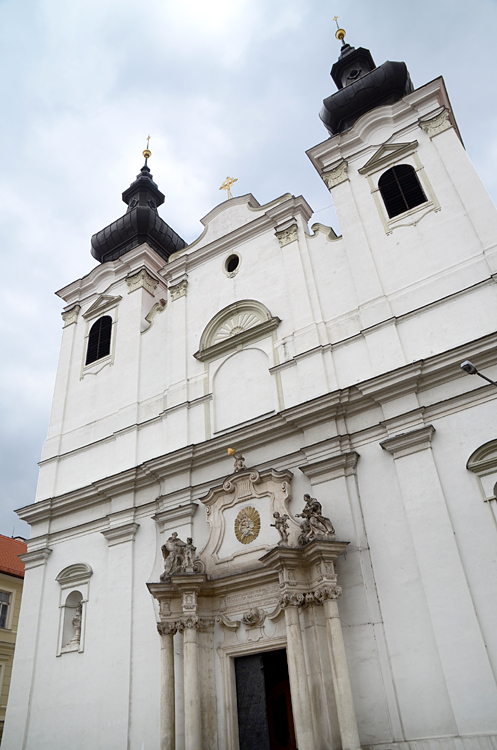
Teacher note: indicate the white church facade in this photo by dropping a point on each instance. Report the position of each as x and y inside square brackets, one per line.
[333, 583]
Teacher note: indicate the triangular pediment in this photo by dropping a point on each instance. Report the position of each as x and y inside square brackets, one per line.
[387, 154]
[102, 304]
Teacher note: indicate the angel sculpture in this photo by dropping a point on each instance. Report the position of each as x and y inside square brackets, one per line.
[281, 525]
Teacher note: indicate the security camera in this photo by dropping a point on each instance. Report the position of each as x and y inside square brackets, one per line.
[469, 367]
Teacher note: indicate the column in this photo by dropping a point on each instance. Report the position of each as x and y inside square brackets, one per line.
[193, 724]
[297, 672]
[167, 705]
[341, 681]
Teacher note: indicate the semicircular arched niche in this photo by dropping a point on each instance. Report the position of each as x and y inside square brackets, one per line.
[239, 323]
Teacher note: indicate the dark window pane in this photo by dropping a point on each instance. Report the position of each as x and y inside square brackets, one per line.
[99, 339]
[401, 189]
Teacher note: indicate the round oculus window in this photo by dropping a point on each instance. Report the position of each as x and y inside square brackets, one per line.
[232, 263]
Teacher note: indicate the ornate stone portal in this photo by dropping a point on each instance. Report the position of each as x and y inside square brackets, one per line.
[263, 582]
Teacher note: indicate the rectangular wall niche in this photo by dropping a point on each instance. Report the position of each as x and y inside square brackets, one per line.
[265, 720]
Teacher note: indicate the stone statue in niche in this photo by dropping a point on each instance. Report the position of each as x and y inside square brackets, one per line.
[281, 525]
[76, 623]
[314, 525]
[180, 557]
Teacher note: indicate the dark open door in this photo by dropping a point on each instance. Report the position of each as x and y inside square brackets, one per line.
[265, 720]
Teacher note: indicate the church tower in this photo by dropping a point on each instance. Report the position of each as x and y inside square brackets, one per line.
[266, 513]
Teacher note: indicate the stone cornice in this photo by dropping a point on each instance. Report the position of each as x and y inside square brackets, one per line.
[121, 534]
[107, 275]
[342, 465]
[409, 442]
[35, 558]
[421, 375]
[165, 519]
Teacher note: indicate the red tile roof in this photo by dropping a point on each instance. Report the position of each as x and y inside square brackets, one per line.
[9, 551]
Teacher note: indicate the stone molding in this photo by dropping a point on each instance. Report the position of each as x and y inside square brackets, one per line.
[227, 623]
[342, 465]
[335, 176]
[103, 304]
[386, 155]
[242, 321]
[121, 534]
[253, 618]
[166, 519]
[178, 290]
[141, 280]
[409, 442]
[71, 316]
[438, 124]
[35, 558]
[288, 235]
[74, 574]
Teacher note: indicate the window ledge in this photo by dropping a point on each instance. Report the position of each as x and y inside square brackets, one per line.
[412, 217]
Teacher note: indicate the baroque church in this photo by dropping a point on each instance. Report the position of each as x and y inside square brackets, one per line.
[266, 511]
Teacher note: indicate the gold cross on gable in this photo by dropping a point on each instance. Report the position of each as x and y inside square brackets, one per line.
[229, 181]
[148, 141]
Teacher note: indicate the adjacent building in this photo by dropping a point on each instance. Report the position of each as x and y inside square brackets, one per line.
[11, 582]
[330, 581]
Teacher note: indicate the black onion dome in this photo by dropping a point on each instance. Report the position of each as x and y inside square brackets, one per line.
[362, 87]
[141, 223]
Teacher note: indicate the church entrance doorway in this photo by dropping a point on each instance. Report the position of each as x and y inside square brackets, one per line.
[265, 720]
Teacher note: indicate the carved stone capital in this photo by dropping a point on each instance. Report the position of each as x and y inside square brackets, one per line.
[70, 316]
[285, 236]
[141, 280]
[437, 124]
[307, 598]
[409, 442]
[335, 176]
[167, 628]
[178, 290]
[194, 622]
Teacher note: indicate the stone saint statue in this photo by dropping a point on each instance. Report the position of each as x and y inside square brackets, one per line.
[314, 525]
[180, 557]
[173, 554]
[76, 623]
[281, 525]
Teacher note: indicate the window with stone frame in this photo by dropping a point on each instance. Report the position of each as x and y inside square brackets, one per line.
[99, 340]
[401, 189]
[4, 608]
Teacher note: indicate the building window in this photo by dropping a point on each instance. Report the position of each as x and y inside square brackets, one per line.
[99, 339]
[401, 189]
[4, 608]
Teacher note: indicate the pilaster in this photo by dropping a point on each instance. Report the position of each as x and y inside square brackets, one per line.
[461, 647]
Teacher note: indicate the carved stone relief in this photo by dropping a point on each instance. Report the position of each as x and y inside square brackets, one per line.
[247, 525]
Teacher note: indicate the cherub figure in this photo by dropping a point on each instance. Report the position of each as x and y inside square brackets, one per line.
[281, 525]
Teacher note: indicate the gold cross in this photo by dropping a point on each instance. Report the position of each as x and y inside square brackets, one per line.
[229, 181]
[148, 139]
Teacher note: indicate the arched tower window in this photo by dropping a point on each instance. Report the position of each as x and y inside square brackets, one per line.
[99, 339]
[401, 189]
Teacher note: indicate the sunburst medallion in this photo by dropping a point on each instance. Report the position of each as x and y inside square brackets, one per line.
[247, 525]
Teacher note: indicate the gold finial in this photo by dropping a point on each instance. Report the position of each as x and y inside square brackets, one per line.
[229, 181]
[231, 451]
[147, 153]
[339, 33]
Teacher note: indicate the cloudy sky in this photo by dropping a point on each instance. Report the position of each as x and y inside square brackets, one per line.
[224, 87]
